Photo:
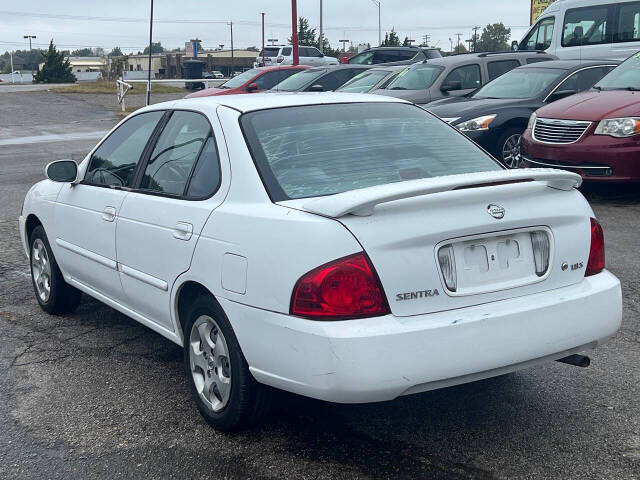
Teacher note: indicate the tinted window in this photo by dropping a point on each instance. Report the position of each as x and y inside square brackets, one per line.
[388, 56]
[417, 78]
[325, 149]
[241, 79]
[364, 58]
[270, 52]
[313, 52]
[286, 51]
[501, 67]
[303, 52]
[115, 160]
[299, 80]
[431, 53]
[206, 176]
[584, 79]
[175, 153]
[467, 75]
[335, 79]
[539, 38]
[585, 26]
[521, 83]
[269, 80]
[629, 23]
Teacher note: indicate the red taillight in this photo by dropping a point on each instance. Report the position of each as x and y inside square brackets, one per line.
[343, 289]
[596, 252]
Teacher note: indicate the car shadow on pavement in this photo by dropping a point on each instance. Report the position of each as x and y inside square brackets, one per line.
[619, 194]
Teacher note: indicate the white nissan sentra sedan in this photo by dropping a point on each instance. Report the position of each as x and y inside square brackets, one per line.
[344, 247]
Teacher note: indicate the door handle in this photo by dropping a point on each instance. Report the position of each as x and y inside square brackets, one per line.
[109, 214]
[183, 231]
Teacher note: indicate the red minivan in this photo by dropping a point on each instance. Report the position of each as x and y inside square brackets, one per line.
[254, 80]
[595, 133]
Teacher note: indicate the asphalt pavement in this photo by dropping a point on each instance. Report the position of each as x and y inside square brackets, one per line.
[94, 394]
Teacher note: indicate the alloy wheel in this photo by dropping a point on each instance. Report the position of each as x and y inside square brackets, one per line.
[511, 151]
[41, 270]
[209, 363]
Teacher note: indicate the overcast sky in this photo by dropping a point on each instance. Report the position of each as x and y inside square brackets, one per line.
[79, 23]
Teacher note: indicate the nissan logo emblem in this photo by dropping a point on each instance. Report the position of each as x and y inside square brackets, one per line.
[496, 211]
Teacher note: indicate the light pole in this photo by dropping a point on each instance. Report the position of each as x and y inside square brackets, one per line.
[377, 4]
[294, 32]
[321, 43]
[30, 37]
[150, 49]
[11, 56]
[263, 61]
[232, 58]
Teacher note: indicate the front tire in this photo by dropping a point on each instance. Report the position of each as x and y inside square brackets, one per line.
[54, 295]
[509, 148]
[225, 392]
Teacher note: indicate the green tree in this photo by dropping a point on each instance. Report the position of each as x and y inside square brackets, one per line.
[156, 47]
[458, 49]
[495, 38]
[56, 68]
[391, 39]
[115, 52]
[82, 52]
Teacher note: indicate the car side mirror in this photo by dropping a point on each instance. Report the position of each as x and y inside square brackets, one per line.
[62, 171]
[560, 94]
[316, 88]
[451, 86]
[514, 46]
[252, 87]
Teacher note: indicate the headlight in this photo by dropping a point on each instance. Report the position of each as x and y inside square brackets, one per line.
[532, 121]
[619, 127]
[480, 123]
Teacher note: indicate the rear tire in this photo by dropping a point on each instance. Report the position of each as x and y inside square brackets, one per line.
[53, 293]
[225, 392]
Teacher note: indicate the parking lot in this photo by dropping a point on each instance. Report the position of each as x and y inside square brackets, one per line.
[95, 394]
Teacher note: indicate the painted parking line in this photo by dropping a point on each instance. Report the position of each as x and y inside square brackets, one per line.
[55, 137]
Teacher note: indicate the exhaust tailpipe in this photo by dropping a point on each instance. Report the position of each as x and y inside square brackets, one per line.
[576, 360]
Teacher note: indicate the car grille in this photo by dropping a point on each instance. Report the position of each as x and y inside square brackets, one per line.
[549, 130]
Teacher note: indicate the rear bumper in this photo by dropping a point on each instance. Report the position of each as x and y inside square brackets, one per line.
[594, 157]
[382, 358]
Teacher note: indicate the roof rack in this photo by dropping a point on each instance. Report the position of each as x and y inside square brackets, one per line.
[487, 54]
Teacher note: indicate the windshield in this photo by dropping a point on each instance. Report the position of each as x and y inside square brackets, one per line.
[363, 82]
[241, 79]
[317, 150]
[416, 78]
[624, 77]
[520, 83]
[299, 80]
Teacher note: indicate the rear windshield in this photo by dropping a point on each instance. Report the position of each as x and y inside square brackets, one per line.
[363, 82]
[299, 80]
[624, 77]
[419, 78]
[520, 83]
[270, 52]
[318, 150]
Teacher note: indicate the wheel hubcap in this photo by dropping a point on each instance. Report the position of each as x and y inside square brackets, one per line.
[511, 151]
[210, 365]
[41, 270]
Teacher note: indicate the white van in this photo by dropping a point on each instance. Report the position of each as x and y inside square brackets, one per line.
[586, 29]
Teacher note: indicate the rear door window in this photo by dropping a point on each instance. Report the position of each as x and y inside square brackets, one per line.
[500, 67]
[169, 167]
[336, 79]
[269, 80]
[628, 23]
[468, 76]
[586, 26]
[114, 162]
[286, 51]
[585, 79]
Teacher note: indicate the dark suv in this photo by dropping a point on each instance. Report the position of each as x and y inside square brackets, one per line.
[394, 55]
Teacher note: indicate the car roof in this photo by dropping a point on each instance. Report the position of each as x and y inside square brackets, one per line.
[262, 101]
[341, 66]
[570, 64]
[282, 67]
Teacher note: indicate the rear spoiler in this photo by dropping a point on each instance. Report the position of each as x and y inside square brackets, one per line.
[362, 202]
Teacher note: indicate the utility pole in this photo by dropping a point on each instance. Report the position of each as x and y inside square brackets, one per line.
[232, 58]
[150, 50]
[263, 62]
[11, 56]
[320, 37]
[426, 38]
[30, 37]
[475, 38]
[294, 32]
[377, 3]
[458, 44]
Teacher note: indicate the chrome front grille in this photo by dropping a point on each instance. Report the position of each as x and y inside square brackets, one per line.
[551, 130]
